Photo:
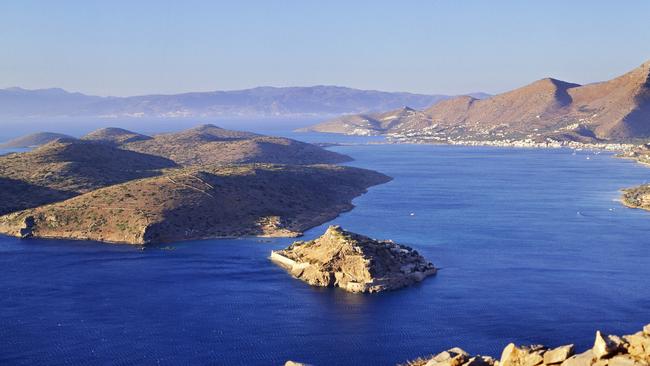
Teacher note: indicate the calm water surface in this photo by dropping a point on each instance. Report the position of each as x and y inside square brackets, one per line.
[533, 246]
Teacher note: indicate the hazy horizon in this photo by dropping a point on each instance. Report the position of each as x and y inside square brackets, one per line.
[228, 90]
[161, 47]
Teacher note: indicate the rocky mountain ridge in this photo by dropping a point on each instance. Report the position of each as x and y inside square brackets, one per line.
[614, 110]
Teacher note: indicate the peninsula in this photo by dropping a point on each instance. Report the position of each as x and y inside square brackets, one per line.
[353, 262]
[118, 186]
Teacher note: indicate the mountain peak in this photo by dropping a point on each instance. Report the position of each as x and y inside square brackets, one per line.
[645, 71]
[206, 126]
[209, 131]
[114, 135]
[35, 139]
[112, 131]
[616, 109]
[555, 83]
[645, 65]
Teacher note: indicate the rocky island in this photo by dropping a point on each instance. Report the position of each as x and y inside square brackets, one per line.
[608, 350]
[115, 185]
[353, 262]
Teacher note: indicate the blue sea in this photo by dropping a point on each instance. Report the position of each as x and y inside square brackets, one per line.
[532, 244]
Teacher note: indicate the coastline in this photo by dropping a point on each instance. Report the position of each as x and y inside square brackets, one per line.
[301, 223]
[297, 292]
[391, 139]
[618, 150]
[512, 143]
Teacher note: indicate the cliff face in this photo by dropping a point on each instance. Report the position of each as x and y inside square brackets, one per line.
[615, 110]
[353, 262]
[193, 203]
[608, 350]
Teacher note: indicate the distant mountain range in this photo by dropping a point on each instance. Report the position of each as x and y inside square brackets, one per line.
[256, 102]
[614, 110]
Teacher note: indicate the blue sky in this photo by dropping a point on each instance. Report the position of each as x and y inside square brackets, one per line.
[450, 47]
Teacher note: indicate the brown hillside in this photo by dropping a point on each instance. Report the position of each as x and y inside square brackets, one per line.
[68, 167]
[261, 199]
[523, 109]
[18, 195]
[618, 110]
[211, 145]
[115, 136]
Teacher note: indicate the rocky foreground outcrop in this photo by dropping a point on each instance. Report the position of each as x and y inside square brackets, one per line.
[353, 262]
[608, 350]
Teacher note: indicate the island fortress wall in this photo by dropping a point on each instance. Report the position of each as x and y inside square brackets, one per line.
[284, 261]
[296, 267]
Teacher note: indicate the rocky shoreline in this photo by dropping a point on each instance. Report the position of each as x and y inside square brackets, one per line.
[608, 350]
